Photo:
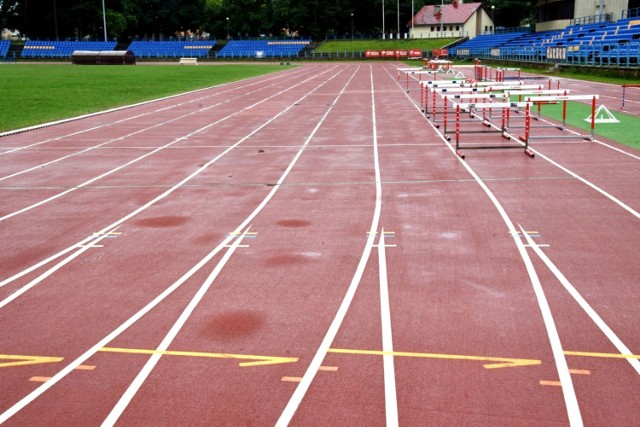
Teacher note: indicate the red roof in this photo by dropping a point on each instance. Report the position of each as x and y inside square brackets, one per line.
[449, 14]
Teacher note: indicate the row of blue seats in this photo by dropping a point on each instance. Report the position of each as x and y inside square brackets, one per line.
[171, 49]
[61, 49]
[262, 48]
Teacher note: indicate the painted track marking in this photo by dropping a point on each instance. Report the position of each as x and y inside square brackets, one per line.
[253, 360]
[495, 362]
[586, 307]
[391, 401]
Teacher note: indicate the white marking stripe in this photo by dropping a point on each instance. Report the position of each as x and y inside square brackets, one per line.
[391, 403]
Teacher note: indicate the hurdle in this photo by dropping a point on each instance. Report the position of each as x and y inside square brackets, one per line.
[624, 92]
[408, 71]
[501, 73]
[483, 89]
[523, 144]
[486, 121]
[541, 92]
[564, 98]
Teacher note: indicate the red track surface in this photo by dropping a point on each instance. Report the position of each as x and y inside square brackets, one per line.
[244, 224]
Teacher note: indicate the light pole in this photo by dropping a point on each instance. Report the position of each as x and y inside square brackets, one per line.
[493, 24]
[398, 15]
[104, 21]
[351, 25]
[412, 18]
[228, 35]
[384, 36]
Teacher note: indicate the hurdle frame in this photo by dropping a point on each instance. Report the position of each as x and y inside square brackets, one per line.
[624, 91]
[591, 137]
[523, 143]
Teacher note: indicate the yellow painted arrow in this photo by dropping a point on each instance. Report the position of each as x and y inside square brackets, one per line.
[254, 360]
[602, 355]
[498, 362]
[19, 360]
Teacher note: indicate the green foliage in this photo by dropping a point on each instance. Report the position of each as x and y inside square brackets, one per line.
[47, 19]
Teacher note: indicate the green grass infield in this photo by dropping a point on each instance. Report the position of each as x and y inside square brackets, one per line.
[39, 93]
[625, 132]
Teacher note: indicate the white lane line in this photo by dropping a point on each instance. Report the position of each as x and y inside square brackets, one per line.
[604, 144]
[590, 184]
[304, 384]
[22, 403]
[82, 248]
[606, 330]
[162, 196]
[568, 391]
[133, 388]
[390, 398]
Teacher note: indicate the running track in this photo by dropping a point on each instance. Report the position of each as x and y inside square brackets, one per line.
[305, 248]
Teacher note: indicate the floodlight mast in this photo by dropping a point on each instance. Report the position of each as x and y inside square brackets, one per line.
[104, 21]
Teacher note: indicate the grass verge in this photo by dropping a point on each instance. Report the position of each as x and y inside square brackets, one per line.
[40, 93]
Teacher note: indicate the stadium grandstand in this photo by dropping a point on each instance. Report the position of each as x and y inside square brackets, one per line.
[61, 49]
[172, 49]
[593, 40]
[262, 48]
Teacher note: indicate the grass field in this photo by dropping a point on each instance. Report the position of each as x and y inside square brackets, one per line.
[426, 45]
[40, 93]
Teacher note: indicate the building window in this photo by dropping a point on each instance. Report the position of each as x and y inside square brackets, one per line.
[457, 27]
[432, 29]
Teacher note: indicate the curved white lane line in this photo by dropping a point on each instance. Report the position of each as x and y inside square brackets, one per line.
[568, 391]
[332, 331]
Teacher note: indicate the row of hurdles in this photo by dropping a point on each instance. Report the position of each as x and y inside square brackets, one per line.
[499, 106]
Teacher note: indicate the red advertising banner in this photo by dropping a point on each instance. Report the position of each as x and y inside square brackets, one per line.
[393, 54]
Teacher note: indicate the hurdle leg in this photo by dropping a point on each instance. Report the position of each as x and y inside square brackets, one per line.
[526, 133]
[593, 119]
[445, 108]
[458, 152]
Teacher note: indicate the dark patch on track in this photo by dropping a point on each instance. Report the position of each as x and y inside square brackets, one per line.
[294, 223]
[162, 221]
[234, 324]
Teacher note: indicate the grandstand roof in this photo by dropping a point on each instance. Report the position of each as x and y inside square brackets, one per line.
[448, 14]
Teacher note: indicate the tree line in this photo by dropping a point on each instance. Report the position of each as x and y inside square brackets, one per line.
[218, 19]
